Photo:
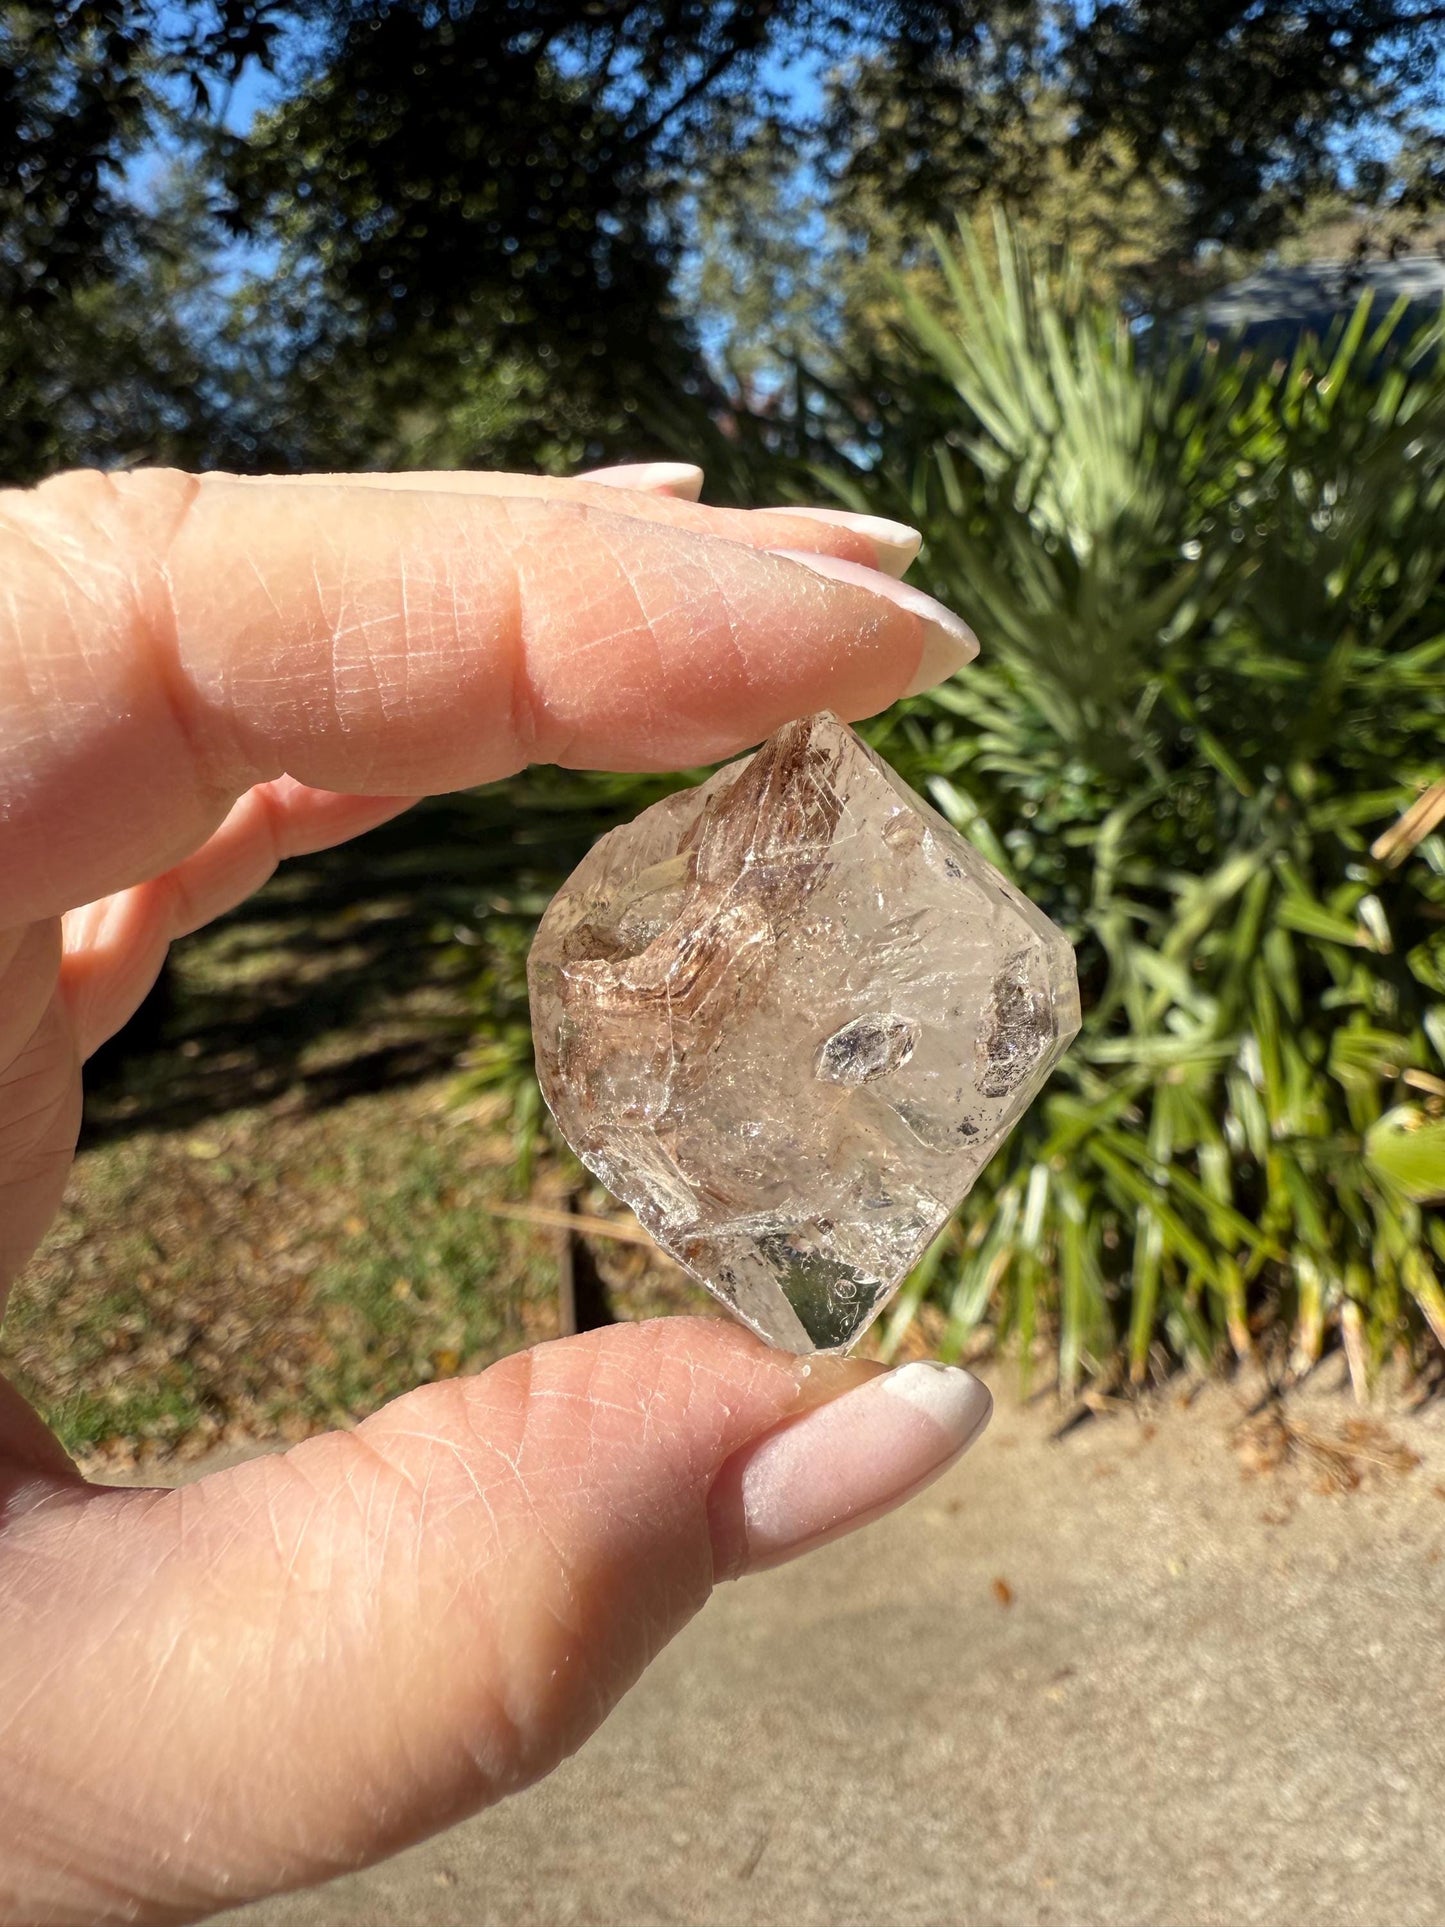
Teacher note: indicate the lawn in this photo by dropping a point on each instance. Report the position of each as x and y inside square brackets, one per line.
[281, 1215]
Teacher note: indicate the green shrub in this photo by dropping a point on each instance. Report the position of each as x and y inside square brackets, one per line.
[1213, 621]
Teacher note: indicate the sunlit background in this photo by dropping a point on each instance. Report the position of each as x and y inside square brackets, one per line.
[1131, 308]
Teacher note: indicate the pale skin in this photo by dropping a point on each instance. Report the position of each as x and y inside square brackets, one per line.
[302, 1664]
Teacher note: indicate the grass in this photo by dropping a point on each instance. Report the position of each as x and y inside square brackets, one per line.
[422, 1283]
[1212, 600]
[292, 1273]
[280, 1217]
[1210, 595]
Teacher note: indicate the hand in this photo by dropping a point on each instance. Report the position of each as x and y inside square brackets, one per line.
[298, 1666]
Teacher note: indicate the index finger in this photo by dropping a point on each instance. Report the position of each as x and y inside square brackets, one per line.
[166, 643]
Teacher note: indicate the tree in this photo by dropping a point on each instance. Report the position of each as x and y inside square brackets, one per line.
[1252, 106]
[1240, 110]
[92, 340]
[501, 226]
[474, 210]
[474, 223]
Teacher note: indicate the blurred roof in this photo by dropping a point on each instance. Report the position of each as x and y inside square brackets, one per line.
[1284, 303]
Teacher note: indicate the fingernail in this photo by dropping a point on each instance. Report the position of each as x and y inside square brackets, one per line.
[843, 1464]
[896, 543]
[948, 642]
[680, 479]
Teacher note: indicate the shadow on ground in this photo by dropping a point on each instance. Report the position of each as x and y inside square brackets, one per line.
[357, 969]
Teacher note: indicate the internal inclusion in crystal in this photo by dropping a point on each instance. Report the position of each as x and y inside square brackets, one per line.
[788, 1017]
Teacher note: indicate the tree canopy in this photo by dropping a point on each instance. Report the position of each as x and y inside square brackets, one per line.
[470, 229]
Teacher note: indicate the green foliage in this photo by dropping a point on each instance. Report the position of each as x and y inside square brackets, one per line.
[492, 234]
[1209, 594]
[1210, 599]
[100, 356]
[467, 251]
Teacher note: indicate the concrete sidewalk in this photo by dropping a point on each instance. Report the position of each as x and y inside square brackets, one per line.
[1112, 1679]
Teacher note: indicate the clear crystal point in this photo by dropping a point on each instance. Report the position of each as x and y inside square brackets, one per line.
[788, 1017]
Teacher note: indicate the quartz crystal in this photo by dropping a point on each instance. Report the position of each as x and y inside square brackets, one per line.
[788, 1016]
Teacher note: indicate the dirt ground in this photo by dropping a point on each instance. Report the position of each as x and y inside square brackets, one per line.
[281, 1214]
[1179, 1666]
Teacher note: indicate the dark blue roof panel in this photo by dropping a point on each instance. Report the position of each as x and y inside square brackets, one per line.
[1309, 297]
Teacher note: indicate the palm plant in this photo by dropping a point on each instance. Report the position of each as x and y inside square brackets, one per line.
[1210, 596]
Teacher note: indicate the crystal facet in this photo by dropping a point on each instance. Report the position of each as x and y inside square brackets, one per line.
[788, 1017]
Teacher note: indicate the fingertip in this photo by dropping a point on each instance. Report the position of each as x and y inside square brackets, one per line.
[843, 1464]
[944, 653]
[681, 480]
[895, 544]
[946, 643]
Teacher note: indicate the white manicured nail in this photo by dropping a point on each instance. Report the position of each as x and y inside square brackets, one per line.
[895, 543]
[681, 479]
[845, 1463]
[948, 642]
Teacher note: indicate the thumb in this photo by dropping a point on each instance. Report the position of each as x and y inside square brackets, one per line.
[320, 1657]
